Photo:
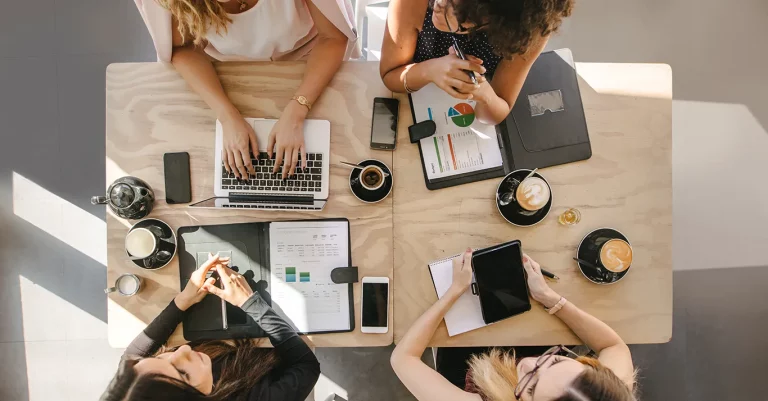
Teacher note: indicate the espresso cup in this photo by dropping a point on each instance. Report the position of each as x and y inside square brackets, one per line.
[127, 285]
[371, 177]
[616, 255]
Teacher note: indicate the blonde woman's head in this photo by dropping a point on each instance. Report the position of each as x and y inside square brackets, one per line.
[196, 17]
[495, 375]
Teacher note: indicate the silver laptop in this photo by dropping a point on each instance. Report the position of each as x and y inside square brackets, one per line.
[267, 191]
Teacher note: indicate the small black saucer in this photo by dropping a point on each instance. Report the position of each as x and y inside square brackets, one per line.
[167, 243]
[364, 194]
[589, 250]
[515, 214]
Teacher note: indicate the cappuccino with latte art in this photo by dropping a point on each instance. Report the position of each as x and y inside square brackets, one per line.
[532, 194]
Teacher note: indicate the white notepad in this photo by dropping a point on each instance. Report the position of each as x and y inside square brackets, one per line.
[465, 315]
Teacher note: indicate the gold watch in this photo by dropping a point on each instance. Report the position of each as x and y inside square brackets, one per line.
[303, 101]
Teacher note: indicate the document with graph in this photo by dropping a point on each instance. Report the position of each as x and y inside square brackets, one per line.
[461, 143]
[302, 255]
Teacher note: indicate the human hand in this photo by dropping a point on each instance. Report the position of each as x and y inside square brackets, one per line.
[239, 142]
[235, 288]
[287, 140]
[462, 272]
[194, 291]
[449, 73]
[537, 285]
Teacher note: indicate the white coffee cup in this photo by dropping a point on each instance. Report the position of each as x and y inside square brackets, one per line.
[140, 243]
[127, 284]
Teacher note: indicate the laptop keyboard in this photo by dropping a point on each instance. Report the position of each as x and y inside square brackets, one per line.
[265, 180]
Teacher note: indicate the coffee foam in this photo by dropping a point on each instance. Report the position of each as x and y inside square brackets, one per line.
[533, 193]
[140, 243]
[616, 255]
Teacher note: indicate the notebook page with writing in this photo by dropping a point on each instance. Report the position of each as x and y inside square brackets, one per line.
[465, 315]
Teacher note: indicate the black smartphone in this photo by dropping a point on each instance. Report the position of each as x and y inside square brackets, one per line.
[384, 123]
[177, 181]
[501, 283]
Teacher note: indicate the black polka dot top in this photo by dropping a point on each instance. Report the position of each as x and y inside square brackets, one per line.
[434, 43]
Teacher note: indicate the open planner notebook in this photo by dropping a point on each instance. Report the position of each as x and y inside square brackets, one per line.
[288, 263]
[465, 315]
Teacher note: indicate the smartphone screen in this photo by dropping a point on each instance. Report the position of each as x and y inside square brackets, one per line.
[375, 301]
[177, 182]
[384, 124]
[501, 282]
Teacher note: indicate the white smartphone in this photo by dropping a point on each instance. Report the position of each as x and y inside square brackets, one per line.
[375, 305]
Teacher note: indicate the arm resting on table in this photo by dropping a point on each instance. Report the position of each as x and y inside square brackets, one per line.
[157, 333]
[299, 368]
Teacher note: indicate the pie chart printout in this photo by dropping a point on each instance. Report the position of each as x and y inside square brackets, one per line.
[462, 114]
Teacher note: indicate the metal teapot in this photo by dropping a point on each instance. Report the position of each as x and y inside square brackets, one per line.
[128, 197]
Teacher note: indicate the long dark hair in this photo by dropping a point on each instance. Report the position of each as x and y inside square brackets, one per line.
[242, 365]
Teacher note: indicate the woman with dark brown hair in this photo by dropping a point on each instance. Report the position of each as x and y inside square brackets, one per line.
[216, 370]
[501, 38]
[556, 375]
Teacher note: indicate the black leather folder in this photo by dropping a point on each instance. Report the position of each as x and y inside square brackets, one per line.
[249, 243]
[546, 127]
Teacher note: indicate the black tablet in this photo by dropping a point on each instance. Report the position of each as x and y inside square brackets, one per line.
[501, 283]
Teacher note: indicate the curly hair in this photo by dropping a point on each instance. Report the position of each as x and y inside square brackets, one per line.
[196, 16]
[512, 26]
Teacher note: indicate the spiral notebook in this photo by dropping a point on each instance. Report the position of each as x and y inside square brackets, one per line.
[465, 315]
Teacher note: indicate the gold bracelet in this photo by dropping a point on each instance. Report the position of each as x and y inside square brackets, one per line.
[303, 101]
[405, 81]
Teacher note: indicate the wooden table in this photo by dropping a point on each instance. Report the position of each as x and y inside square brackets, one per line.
[627, 185]
[151, 111]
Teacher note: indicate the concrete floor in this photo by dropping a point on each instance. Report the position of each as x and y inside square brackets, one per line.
[53, 55]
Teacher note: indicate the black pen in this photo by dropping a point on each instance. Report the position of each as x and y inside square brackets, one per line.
[460, 54]
[549, 275]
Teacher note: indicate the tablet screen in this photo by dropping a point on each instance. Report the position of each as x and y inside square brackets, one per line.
[501, 282]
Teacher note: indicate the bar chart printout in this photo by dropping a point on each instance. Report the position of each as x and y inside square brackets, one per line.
[302, 255]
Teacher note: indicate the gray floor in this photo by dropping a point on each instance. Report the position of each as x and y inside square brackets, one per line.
[53, 312]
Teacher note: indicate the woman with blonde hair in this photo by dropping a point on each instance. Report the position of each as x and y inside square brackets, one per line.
[557, 374]
[189, 33]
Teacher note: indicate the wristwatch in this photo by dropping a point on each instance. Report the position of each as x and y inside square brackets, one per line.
[303, 101]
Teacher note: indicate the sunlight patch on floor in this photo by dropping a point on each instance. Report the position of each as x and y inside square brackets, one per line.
[60, 218]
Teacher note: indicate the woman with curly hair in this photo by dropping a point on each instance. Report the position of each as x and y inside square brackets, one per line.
[501, 38]
[216, 370]
[557, 374]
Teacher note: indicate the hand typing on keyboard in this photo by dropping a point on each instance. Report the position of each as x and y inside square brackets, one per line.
[239, 142]
[287, 140]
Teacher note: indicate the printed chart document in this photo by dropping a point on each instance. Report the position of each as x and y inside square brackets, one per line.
[461, 144]
[465, 315]
[302, 256]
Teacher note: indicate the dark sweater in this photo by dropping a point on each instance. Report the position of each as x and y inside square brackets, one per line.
[292, 380]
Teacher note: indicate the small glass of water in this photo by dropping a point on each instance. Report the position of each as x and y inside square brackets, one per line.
[569, 217]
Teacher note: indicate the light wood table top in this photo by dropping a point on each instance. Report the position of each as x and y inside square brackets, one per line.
[151, 111]
[626, 185]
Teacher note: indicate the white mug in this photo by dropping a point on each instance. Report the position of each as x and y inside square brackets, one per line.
[127, 284]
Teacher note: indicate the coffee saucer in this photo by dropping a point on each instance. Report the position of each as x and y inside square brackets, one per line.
[167, 242]
[589, 250]
[365, 195]
[515, 214]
